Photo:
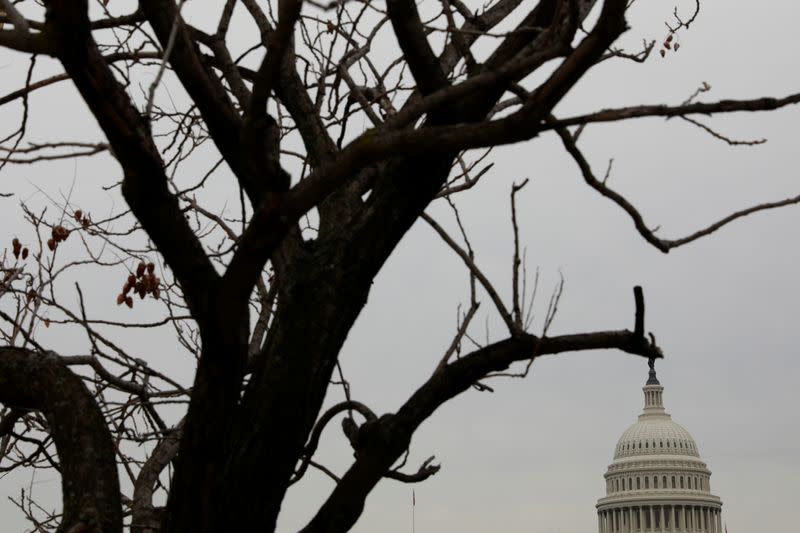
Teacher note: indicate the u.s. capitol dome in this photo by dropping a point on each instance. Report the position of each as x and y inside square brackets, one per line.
[657, 481]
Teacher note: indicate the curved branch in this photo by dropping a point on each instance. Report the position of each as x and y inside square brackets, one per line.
[323, 421]
[90, 485]
[664, 245]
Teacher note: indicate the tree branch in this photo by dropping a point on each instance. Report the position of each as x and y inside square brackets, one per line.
[145, 182]
[410, 34]
[702, 108]
[392, 433]
[144, 519]
[316, 433]
[509, 321]
[86, 451]
[249, 151]
[280, 41]
[664, 245]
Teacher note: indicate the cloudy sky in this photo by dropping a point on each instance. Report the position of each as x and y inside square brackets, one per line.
[530, 457]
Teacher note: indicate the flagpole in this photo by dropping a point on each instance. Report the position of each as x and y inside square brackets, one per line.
[413, 512]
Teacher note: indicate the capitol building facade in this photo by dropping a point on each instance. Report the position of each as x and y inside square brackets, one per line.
[657, 481]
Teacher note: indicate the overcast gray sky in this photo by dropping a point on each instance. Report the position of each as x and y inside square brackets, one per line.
[531, 456]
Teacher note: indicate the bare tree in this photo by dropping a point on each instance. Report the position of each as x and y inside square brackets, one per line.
[337, 143]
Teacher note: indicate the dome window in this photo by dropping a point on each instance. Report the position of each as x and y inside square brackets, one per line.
[647, 482]
[673, 482]
[655, 482]
[681, 481]
[638, 483]
[665, 482]
[646, 444]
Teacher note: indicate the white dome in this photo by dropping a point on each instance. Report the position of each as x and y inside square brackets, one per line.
[657, 481]
[655, 435]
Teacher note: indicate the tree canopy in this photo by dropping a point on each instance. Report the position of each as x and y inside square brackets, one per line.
[337, 126]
